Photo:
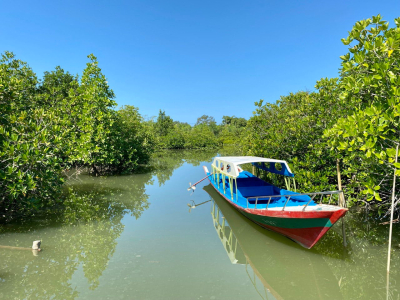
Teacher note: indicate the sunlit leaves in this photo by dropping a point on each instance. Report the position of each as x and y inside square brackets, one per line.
[50, 125]
[292, 129]
[369, 77]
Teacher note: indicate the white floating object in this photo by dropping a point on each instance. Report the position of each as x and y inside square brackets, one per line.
[36, 245]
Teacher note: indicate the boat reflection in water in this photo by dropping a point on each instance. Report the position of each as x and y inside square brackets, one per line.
[286, 270]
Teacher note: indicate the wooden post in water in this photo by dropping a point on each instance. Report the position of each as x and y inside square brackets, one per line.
[339, 179]
[341, 201]
[391, 212]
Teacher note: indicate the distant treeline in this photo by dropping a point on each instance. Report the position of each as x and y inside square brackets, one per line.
[204, 134]
[353, 120]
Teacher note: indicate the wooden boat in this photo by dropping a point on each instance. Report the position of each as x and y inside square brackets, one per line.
[294, 215]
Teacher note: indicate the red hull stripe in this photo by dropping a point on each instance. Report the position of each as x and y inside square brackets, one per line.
[320, 214]
[306, 237]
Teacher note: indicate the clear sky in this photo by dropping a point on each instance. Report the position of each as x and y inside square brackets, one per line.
[189, 58]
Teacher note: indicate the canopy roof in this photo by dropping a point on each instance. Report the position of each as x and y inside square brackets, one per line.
[229, 165]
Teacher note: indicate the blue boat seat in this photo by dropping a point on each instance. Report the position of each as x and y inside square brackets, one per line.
[245, 174]
[256, 191]
[266, 190]
[246, 179]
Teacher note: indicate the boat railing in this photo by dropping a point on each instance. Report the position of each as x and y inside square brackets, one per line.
[288, 196]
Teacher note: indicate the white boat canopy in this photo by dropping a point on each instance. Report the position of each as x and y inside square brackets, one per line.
[229, 165]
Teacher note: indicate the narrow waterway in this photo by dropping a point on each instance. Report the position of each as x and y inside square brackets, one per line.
[144, 236]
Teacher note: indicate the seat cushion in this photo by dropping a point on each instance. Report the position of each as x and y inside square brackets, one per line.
[256, 191]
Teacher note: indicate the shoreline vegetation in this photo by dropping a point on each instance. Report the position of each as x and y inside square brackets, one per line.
[62, 122]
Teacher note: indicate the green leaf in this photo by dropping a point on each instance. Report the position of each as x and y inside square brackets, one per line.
[391, 152]
[377, 197]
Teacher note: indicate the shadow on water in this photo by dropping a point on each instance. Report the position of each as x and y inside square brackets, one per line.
[285, 270]
[82, 237]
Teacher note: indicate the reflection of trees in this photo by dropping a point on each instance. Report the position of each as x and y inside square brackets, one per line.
[43, 277]
[362, 268]
[232, 150]
[113, 195]
[163, 163]
[82, 235]
[196, 157]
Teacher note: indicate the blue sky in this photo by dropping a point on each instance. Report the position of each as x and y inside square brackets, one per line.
[189, 58]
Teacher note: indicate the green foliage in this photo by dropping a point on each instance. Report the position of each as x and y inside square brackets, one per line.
[237, 122]
[292, 129]
[201, 136]
[164, 124]
[176, 138]
[370, 82]
[131, 142]
[177, 135]
[94, 87]
[49, 126]
[83, 111]
[232, 130]
[208, 121]
[30, 170]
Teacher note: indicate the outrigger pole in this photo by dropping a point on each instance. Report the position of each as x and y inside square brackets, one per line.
[193, 186]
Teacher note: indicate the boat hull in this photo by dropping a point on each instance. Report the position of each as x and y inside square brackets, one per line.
[304, 227]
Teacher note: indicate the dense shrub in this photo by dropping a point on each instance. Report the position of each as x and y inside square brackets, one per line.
[51, 125]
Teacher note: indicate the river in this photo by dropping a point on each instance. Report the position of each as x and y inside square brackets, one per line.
[144, 236]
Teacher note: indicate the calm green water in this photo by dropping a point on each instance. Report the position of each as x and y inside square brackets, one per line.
[138, 239]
